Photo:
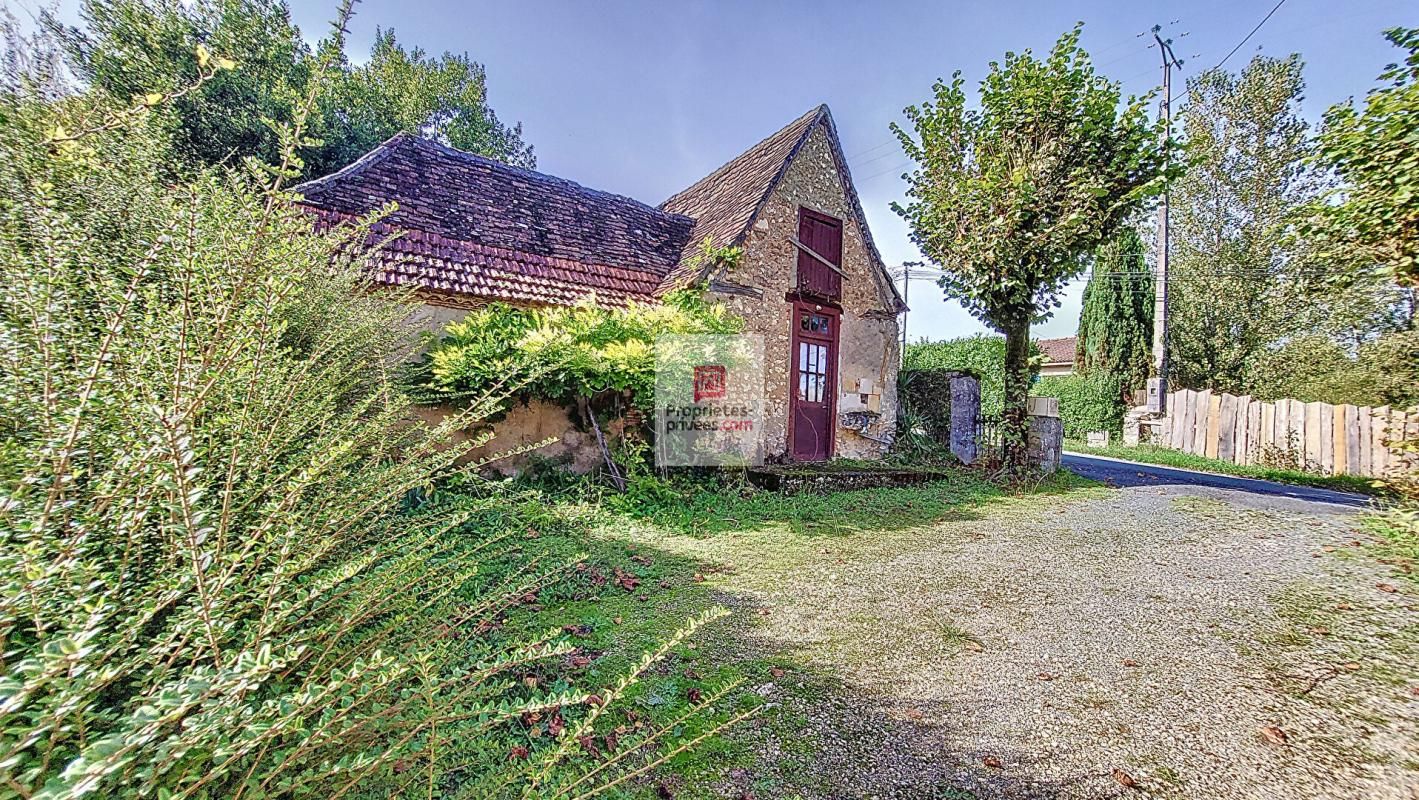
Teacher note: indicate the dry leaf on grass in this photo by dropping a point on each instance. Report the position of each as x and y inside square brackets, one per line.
[1124, 779]
[1274, 734]
[992, 762]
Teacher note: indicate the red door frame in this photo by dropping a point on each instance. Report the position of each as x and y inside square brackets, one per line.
[797, 335]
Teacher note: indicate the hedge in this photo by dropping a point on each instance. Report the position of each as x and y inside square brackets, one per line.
[1086, 403]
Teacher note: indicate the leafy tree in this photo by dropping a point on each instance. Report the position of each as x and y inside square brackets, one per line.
[1374, 151]
[130, 48]
[1116, 323]
[407, 90]
[1236, 269]
[1009, 198]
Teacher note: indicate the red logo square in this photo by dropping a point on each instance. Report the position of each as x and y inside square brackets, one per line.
[710, 382]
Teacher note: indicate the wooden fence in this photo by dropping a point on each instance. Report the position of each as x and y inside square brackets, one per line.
[1317, 437]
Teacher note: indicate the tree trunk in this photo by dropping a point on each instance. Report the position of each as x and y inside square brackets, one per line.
[1015, 424]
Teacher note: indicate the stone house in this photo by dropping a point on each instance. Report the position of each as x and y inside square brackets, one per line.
[472, 231]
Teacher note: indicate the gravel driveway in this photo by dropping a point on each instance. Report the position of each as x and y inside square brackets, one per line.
[1161, 639]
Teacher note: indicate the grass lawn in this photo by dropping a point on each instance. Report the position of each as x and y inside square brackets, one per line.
[1153, 454]
[664, 553]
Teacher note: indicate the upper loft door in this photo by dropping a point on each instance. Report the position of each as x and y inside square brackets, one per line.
[824, 236]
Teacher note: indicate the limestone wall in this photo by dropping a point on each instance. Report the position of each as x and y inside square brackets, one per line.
[527, 424]
[868, 342]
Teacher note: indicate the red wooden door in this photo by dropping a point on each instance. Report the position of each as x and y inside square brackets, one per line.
[814, 388]
[825, 236]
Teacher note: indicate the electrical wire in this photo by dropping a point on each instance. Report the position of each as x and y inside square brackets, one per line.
[1247, 38]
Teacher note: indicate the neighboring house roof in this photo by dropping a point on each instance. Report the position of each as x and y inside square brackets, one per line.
[473, 228]
[1057, 351]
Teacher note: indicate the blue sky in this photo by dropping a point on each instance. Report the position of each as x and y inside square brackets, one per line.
[643, 98]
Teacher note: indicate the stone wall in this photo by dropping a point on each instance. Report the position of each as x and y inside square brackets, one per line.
[524, 425]
[868, 341]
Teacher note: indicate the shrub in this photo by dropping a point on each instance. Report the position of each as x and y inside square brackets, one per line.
[924, 415]
[980, 355]
[1086, 402]
[220, 577]
[560, 354]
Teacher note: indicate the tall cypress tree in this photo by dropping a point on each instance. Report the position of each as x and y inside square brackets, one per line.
[1116, 323]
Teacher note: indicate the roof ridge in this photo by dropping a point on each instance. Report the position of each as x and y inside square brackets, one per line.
[532, 174]
[814, 112]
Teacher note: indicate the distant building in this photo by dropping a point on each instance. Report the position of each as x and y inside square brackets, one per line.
[1058, 355]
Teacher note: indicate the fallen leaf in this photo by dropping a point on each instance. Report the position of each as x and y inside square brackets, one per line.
[914, 713]
[973, 645]
[776, 672]
[1343, 607]
[1124, 779]
[517, 752]
[1045, 676]
[1352, 666]
[1386, 587]
[695, 696]
[992, 762]
[1274, 734]
[1128, 662]
[763, 612]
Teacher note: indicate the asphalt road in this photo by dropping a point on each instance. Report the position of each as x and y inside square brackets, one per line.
[1118, 472]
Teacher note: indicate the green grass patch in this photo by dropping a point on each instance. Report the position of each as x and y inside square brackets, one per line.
[1163, 456]
[1396, 540]
[666, 550]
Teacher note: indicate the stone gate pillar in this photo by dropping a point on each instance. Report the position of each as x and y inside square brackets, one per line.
[965, 408]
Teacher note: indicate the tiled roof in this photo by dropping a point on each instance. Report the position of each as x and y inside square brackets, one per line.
[1057, 351]
[725, 203]
[458, 271]
[477, 226]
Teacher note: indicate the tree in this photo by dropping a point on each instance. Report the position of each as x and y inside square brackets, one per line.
[1116, 323]
[129, 48]
[1376, 154]
[1009, 198]
[1237, 270]
[406, 90]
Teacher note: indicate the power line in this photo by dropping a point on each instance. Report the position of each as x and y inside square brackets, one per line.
[1247, 38]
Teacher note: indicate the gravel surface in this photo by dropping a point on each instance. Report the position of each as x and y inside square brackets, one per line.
[1151, 640]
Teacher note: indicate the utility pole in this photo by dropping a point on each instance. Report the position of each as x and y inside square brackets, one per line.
[1158, 385]
[907, 277]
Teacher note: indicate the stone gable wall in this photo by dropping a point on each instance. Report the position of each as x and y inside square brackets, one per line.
[869, 340]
